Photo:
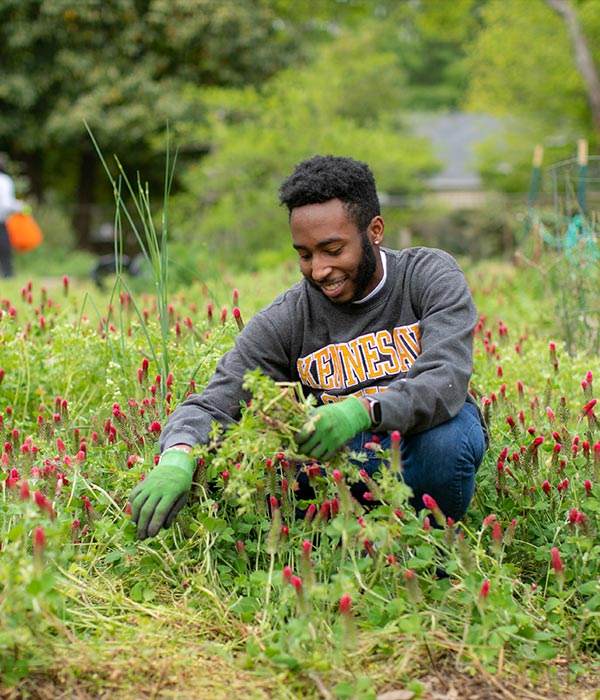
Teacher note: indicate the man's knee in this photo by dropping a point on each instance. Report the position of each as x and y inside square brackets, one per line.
[443, 461]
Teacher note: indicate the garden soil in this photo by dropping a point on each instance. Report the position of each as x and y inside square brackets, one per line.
[216, 681]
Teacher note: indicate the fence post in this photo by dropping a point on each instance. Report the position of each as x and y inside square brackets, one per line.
[582, 161]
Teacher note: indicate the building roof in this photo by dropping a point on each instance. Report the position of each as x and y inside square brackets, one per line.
[454, 136]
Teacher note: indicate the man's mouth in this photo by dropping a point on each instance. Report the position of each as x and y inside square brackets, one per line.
[332, 286]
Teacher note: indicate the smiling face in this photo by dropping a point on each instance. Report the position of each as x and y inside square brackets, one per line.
[335, 257]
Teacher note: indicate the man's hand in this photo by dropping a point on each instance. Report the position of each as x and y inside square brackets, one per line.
[329, 427]
[157, 500]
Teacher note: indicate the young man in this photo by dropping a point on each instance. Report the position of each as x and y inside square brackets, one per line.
[382, 339]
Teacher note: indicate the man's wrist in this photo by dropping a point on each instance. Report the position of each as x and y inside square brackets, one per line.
[183, 447]
[374, 408]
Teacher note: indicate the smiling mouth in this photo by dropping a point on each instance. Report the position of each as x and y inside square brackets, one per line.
[332, 286]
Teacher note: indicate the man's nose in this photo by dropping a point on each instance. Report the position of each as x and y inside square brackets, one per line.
[321, 268]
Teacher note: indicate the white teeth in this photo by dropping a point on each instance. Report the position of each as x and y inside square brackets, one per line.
[331, 286]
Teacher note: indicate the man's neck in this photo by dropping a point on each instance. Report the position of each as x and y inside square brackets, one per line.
[375, 291]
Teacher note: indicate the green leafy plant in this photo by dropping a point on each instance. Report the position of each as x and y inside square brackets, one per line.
[300, 587]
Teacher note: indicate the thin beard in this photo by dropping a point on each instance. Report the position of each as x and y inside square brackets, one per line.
[366, 267]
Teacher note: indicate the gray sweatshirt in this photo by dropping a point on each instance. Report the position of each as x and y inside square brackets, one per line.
[409, 345]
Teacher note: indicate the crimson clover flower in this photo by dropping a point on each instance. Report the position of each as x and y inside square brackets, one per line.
[345, 605]
[484, 592]
[39, 543]
[557, 565]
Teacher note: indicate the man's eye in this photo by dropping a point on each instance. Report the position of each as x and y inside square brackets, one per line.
[304, 256]
[335, 252]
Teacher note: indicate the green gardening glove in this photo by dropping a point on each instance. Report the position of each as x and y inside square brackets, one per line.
[157, 500]
[329, 427]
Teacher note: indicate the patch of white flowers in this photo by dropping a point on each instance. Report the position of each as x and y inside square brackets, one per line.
[113, 381]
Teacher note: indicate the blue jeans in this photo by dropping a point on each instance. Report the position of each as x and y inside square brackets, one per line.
[441, 462]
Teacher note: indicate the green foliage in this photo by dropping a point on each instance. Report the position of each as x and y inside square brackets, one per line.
[301, 595]
[51, 262]
[432, 47]
[522, 69]
[353, 69]
[570, 277]
[260, 136]
[533, 70]
[479, 233]
[121, 67]
[100, 61]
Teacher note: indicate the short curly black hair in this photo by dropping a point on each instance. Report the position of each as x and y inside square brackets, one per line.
[321, 178]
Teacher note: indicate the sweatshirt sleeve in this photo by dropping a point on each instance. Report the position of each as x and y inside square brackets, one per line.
[258, 345]
[436, 385]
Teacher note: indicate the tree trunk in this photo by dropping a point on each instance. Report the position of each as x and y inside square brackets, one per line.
[82, 216]
[583, 56]
[34, 166]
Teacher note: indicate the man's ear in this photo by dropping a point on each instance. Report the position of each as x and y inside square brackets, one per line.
[376, 229]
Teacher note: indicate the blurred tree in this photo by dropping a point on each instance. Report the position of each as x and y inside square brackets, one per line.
[521, 65]
[120, 65]
[348, 101]
[129, 67]
[522, 69]
[431, 40]
[584, 59]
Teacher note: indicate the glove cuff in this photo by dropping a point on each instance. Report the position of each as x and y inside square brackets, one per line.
[178, 459]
